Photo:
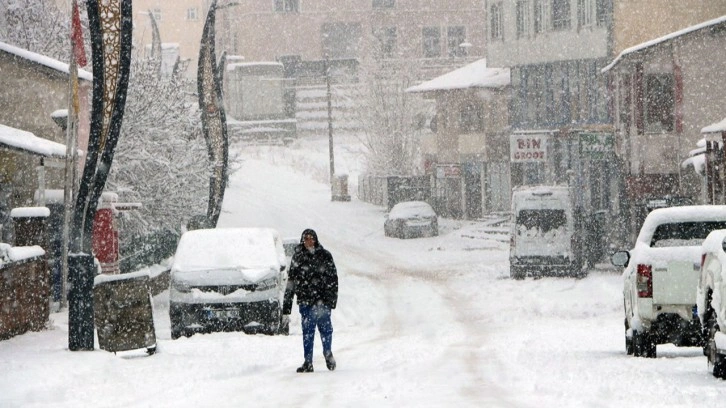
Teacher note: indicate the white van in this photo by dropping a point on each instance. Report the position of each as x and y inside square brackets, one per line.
[544, 240]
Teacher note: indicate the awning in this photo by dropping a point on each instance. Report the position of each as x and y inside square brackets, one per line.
[26, 142]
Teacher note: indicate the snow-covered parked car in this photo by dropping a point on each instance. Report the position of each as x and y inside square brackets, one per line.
[228, 279]
[661, 277]
[411, 219]
[711, 301]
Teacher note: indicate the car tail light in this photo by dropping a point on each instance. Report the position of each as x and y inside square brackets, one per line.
[644, 281]
[703, 260]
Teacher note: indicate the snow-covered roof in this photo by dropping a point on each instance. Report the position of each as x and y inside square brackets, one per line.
[474, 75]
[16, 139]
[659, 40]
[715, 127]
[231, 67]
[43, 60]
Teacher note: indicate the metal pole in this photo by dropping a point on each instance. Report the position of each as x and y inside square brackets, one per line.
[330, 119]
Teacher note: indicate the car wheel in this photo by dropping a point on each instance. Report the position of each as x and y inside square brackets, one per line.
[628, 340]
[175, 319]
[716, 361]
[643, 345]
[517, 273]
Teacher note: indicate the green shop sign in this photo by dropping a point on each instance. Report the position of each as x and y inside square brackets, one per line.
[597, 146]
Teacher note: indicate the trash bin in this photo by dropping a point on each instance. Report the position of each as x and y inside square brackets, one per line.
[123, 312]
[340, 188]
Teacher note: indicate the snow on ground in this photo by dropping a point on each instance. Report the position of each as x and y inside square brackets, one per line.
[430, 322]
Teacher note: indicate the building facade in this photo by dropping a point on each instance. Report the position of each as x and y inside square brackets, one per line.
[470, 151]
[665, 91]
[309, 30]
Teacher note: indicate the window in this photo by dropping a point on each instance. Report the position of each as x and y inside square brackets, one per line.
[495, 23]
[157, 14]
[383, 3]
[584, 13]
[684, 233]
[560, 14]
[522, 11]
[192, 14]
[540, 220]
[603, 8]
[456, 36]
[431, 42]
[471, 117]
[659, 102]
[386, 41]
[541, 16]
[287, 6]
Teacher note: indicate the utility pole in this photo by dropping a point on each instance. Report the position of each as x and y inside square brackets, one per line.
[329, 95]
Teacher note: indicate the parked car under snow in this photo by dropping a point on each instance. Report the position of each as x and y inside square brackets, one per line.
[711, 301]
[411, 219]
[228, 279]
[661, 275]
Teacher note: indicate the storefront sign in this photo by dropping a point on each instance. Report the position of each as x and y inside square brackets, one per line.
[596, 146]
[528, 148]
[448, 170]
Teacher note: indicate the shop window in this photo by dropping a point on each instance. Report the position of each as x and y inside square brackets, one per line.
[431, 42]
[456, 37]
[386, 37]
[560, 14]
[471, 117]
[522, 15]
[287, 6]
[659, 103]
[378, 4]
[495, 21]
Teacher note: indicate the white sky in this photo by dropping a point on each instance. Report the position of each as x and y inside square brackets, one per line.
[429, 322]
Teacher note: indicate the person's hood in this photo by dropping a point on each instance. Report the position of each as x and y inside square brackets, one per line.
[312, 232]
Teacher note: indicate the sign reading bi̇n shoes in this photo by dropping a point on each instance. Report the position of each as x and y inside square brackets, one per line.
[528, 147]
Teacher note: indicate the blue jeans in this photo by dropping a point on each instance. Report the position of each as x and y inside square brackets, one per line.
[312, 317]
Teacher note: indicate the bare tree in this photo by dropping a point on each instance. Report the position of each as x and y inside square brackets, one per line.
[161, 158]
[38, 26]
[390, 117]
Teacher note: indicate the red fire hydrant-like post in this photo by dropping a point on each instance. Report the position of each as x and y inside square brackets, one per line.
[105, 235]
[105, 232]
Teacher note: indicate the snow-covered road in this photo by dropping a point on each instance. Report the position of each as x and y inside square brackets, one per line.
[428, 322]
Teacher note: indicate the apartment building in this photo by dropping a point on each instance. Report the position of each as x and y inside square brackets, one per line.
[556, 50]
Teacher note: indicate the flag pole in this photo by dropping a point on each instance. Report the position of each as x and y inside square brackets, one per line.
[71, 158]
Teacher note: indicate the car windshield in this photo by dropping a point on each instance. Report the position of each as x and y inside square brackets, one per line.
[684, 233]
[543, 220]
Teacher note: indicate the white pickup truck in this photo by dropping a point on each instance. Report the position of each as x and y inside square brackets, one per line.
[661, 276]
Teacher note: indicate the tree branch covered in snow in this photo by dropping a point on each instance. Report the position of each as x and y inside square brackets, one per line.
[390, 117]
[161, 158]
[38, 26]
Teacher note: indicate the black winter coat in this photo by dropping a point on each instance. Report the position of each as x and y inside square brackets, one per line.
[312, 276]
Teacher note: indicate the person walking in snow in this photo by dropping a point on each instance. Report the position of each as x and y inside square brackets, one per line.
[313, 278]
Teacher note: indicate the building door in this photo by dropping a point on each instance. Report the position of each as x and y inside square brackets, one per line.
[499, 189]
[473, 189]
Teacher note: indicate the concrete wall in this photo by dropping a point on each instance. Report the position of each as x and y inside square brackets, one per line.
[24, 294]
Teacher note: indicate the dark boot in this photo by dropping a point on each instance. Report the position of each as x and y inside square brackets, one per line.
[307, 367]
[330, 360]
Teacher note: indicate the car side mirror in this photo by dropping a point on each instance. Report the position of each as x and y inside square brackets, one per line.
[620, 258]
[723, 244]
